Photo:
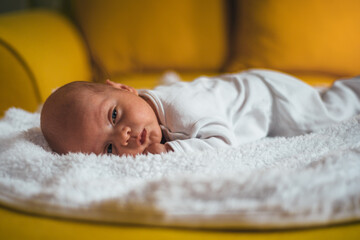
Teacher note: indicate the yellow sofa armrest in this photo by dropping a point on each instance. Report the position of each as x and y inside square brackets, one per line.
[39, 50]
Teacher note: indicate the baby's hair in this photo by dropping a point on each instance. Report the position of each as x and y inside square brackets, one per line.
[60, 103]
[94, 87]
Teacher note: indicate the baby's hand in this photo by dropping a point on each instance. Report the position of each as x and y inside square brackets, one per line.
[157, 148]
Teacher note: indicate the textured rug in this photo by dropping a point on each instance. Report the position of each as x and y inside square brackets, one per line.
[308, 180]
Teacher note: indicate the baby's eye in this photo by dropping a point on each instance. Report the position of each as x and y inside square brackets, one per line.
[113, 116]
[109, 149]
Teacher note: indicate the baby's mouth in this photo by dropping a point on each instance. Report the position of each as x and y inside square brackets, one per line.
[143, 137]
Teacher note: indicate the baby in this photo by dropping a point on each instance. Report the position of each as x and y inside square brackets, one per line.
[209, 112]
[98, 118]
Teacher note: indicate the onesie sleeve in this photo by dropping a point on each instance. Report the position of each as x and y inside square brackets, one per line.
[194, 144]
[207, 133]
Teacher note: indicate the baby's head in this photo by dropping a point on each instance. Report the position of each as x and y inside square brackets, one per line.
[99, 118]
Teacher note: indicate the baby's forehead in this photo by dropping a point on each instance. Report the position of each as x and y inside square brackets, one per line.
[83, 92]
[69, 100]
[78, 98]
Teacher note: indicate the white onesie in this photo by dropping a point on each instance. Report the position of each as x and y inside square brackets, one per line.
[234, 109]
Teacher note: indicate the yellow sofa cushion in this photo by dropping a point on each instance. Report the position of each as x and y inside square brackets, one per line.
[16, 225]
[40, 50]
[314, 36]
[21, 93]
[144, 35]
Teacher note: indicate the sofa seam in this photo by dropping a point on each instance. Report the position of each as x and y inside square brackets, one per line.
[26, 67]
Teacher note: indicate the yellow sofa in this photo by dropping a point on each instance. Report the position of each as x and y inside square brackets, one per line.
[134, 42]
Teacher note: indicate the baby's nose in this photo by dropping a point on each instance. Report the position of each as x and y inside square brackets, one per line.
[125, 135]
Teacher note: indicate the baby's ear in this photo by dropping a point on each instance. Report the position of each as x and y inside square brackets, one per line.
[121, 86]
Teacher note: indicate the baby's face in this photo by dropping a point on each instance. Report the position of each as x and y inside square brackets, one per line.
[115, 121]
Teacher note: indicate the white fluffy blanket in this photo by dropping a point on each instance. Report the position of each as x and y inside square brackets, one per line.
[273, 183]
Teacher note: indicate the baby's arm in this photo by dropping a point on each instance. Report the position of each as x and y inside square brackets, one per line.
[198, 144]
[157, 148]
